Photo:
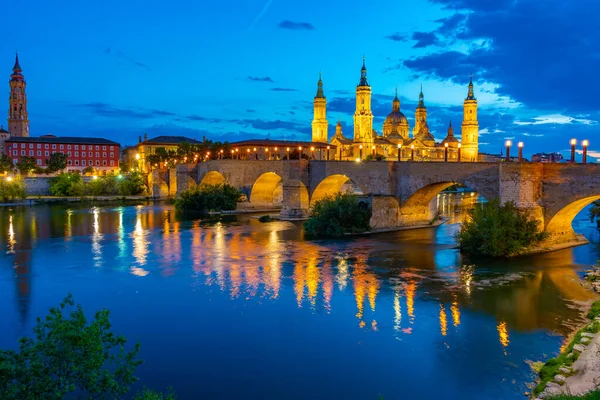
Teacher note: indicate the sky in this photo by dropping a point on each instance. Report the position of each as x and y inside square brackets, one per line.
[238, 69]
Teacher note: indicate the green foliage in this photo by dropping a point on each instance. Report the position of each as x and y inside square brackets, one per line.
[26, 165]
[595, 212]
[6, 164]
[102, 186]
[148, 394]
[337, 215]
[132, 184]
[56, 162]
[207, 198]
[498, 230]
[88, 170]
[12, 188]
[67, 356]
[594, 310]
[593, 395]
[67, 184]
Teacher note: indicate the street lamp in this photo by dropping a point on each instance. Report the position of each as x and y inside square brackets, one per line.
[255, 154]
[412, 152]
[573, 143]
[288, 153]
[508, 144]
[446, 152]
[9, 178]
[360, 147]
[585, 144]
[520, 151]
[299, 152]
[459, 146]
[312, 152]
[232, 154]
[221, 155]
[328, 147]
[399, 152]
[373, 152]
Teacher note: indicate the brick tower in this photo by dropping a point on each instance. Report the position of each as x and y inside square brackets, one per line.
[18, 121]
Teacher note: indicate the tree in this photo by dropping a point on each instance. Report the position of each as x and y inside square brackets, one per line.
[69, 356]
[88, 170]
[337, 215]
[6, 164]
[132, 184]
[67, 184]
[595, 212]
[56, 162]
[207, 198]
[26, 165]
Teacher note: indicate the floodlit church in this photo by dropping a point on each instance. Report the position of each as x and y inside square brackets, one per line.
[396, 142]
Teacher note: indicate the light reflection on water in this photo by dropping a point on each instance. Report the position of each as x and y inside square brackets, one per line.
[240, 300]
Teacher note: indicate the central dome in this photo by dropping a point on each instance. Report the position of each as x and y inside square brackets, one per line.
[396, 117]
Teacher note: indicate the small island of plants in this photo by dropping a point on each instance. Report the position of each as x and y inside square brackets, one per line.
[338, 215]
[208, 198]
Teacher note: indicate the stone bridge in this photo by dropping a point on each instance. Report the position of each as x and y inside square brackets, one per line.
[400, 193]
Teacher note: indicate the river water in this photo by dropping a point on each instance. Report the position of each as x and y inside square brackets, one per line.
[238, 309]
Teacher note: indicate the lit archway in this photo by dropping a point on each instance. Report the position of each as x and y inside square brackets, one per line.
[266, 190]
[332, 185]
[212, 178]
[561, 222]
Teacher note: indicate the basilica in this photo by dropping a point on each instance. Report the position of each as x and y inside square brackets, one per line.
[395, 142]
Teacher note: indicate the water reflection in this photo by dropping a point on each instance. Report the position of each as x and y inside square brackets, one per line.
[406, 285]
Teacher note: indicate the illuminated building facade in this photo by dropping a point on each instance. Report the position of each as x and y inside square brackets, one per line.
[134, 157]
[18, 120]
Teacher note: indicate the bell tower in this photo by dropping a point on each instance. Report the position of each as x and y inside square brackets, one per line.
[363, 116]
[470, 127]
[420, 114]
[18, 121]
[319, 123]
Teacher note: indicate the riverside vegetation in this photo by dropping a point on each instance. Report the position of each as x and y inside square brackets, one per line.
[208, 198]
[498, 230]
[72, 185]
[71, 358]
[12, 189]
[338, 215]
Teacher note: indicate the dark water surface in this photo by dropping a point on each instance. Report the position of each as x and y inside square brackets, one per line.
[244, 310]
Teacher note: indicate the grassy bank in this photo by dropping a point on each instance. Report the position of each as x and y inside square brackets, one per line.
[594, 395]
[567, 357]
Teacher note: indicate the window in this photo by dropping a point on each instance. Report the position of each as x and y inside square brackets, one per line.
[112, 155]
[22, 145]
[112, 163]
[83, 162]
[46, 153]
[98, 163]
[46, 146]
[39, 146]
[23, 153]
[53, 152]
[76, 147]
[62, 146]
[30, 153]
[31, 145]
[38, 161]
[83, 154]
[112, 148]
[104, 163]
[97, 147]
[68, 154]
[39, 153]
[15, 152]
[53, 146]
[15, 161]
[97, 153]
[83, 147]
[104, 154]
[103, 147]
[91, 162]
[68, 162]
[76, 162]
[68, 147]
[76, 154]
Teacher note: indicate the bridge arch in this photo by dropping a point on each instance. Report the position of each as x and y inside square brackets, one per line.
[331, 185]
[267, 190]
[212, 178]
[561, 224]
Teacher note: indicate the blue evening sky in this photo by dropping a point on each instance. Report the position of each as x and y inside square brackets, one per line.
[237, 69]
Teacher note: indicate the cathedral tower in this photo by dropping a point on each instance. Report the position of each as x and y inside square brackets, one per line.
[18, 122]
[363, 116]
[420, 115]
[319, 124]
[470, 127]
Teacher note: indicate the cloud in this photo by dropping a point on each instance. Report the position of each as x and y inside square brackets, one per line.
[265, 125]
[260, 79]
[424, 39]
[108, 111]
[397, 37]
[260, 14]
[119, 55]
[250, 111]
[278, 89]
[295, 26]
[556, 119]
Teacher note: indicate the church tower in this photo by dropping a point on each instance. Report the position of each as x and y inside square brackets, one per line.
[470, 127]
[363, 116]
[420, 114]
[319, 124]
[18, 122]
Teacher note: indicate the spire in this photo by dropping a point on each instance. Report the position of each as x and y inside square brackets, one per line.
[471, 95]
[320, 94]
[396, 102]
[17, 68]
[450, 129]
[421, 99]
[363, 75]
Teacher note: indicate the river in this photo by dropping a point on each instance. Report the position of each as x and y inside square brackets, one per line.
[238, 309]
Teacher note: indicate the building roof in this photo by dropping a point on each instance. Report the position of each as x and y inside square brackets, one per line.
[279, 143]
[2, 130]
[171, 140]
[62, 139]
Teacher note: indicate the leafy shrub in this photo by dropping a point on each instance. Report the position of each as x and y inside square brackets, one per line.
[498, 230]
[337, 215]
[12, 189]
[595, 212]
[132, 184]
[67, 184]
[207, 198]
[70, 358]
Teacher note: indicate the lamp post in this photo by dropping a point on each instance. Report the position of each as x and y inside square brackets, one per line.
[373, 151]
[312, 152]
[585, 144]
[299, 152]
[412, 152]
[248, 154]
[328, 148]
[445, 152]
[275, 154]
[399, 152]
[573, 143]
[459, 146]
[267, 152]
[232, 154]
[360, 147]
[288, 153]
[341, 149]
[508, 144]
[520, 151]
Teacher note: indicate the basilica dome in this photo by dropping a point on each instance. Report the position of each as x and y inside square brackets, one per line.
[397, 118]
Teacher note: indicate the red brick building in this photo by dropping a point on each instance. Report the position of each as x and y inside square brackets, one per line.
[101, 154]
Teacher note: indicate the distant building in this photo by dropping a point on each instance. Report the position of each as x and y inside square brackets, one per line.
[547, 157]
[4, 134]
[267, 149]
[134, 157]
[101, 154]
[18, 120]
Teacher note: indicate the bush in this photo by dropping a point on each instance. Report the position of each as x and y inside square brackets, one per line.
[12, 188]
[71, 184]
[70, 358]
[132, 184]
[337, 215]
[498, 230]
[595, 212]
[67, 184]
[207, 198]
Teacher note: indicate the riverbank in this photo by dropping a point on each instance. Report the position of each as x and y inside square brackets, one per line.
[30, 201]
